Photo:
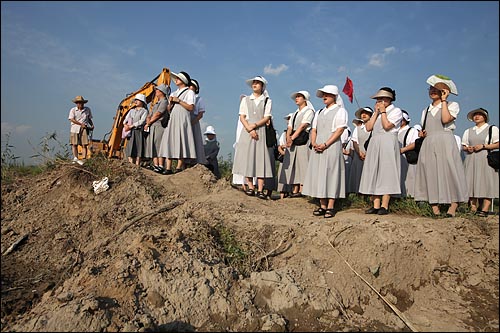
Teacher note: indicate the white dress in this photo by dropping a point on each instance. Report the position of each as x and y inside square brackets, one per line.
[325, 176]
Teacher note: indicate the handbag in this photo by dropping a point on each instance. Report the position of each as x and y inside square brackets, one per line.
[271, 140]
[303, 137]
[493, 155]
[411, 155]
[420, 140]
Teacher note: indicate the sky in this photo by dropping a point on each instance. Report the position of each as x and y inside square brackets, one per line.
[54, 51]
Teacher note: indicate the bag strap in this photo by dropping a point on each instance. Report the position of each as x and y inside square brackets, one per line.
[490, 130]
[406, 135]
[293, 121]
[425, 118]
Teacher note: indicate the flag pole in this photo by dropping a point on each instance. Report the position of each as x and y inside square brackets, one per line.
[353, 95]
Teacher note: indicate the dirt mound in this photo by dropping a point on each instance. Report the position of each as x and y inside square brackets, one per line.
[186, 252]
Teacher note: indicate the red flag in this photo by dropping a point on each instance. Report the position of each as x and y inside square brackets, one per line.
[348, 88]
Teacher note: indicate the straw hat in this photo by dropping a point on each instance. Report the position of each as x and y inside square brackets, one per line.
[366, 109]
[210, 130]
[183, 76]
[385, 92]
[470, 115]
[301, 92]
[163, 88]
[328, 89]
[79, 99]
[441, 81]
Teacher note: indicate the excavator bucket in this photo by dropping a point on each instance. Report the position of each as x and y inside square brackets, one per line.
[113, 148]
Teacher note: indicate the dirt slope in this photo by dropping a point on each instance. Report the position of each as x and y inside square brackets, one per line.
[188, 253]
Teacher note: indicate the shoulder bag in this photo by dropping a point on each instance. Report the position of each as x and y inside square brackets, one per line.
[303, 136]
[418, 141]
[411, 155]
[493, 155]
[271, 140]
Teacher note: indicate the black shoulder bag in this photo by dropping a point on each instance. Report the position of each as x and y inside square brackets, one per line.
[418, 141]
[493, 156]
[303, 136]
[271, 140]
[411, 155]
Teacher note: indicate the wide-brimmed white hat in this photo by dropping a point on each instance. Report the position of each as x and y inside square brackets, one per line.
[357, 120]
[196, 86]
[141, 97]
[183, 76]
[288, 116]
[304, 93]
[417, 127]
[257, 78]
[163, 88]
[366, 109]
[470, 115]
[210, 130]
[437, 78]
[328, 89]
[406, 116]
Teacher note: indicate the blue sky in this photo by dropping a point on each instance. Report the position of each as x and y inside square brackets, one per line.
[53, 51]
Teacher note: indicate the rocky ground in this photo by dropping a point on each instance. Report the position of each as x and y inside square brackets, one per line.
[186, 252]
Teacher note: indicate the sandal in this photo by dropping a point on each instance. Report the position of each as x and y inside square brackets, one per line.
[261, 195]
[329, 213]
[481, 213]
[296, 195]
[250, 192]
[319, 211]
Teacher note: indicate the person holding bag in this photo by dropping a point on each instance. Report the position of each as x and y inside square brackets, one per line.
[296, 157]
[252, 157]
[440, 175]
[407, 136]
[325, 176]
[482, 180]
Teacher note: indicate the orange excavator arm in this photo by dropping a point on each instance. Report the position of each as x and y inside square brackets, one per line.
[115, 138]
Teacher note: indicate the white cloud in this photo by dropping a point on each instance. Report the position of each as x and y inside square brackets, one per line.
[275, 71]
[378, 59]
[16, 129]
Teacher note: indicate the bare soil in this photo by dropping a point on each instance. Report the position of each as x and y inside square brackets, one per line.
[187, 252]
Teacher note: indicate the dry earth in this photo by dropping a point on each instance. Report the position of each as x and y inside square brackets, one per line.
[186, 252]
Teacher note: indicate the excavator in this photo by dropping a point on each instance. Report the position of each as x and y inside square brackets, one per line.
[112, 144]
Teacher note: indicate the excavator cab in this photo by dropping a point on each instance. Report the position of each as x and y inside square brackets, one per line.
[113, 147]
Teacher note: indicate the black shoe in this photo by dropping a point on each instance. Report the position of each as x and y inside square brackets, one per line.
[382, 211]
[319, 212]
[167, 172]
[296, 195]
[261, 195]
[329, 213]
[158, 169]
[372, 211]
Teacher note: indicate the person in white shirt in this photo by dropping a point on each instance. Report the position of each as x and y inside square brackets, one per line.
[252, 157]
[482, 179]
[80, 117]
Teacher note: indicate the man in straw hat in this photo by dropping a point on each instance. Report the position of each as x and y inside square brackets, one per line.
[80, 118]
